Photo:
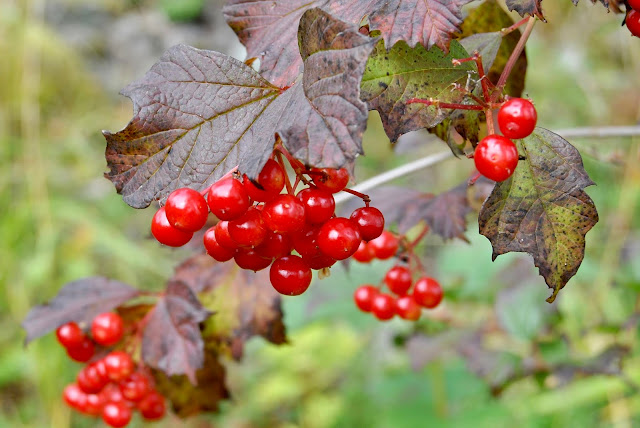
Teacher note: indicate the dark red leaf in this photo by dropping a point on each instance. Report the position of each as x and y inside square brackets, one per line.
[78, 301]
[526, 7]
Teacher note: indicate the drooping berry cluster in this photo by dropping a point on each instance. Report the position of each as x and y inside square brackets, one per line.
[111, 386]
[632, 19]
[259, 226]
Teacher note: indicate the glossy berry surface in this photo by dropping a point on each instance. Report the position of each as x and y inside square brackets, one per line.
[70, 335]
[222, 236]
[329, 179]
[363, 297]
[407, 308]
[319, 205]
[633, 22]
[305, 242]
[248, 230]
[214, 249]
[364, 253]
[284, 214]
[383, 306]
[635, 4]
[255, 192]
[152, 406]
[186, 210]
[228, 199]
[249, 259]
[339, 238]
[398, 279]
[166, 234]
[370, 221]
[275, 245]
[82, 352]
[384, 246]
[427, 292]
[93, 405]
[517, 118]
[135, 387]
[119, 365]
[92, 378]
[74, 396]
[319, 261]
[272, 177]
[496, 157]
[107, 328]
[116, 415]
[290, 275]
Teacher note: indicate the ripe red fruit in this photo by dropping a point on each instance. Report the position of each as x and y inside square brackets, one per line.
[319, 261]
[70, 335]
[384, 246]
[93, 377]
[407, 308]
[339, 238]
[305, 242]
[119, 365]
[107, 329]
[364, 253]
[635, 4]
[275, 245]
[249, 259]
[633, 22]
[248, 230]
[272, 177]
[329, 179]
[290, 275]
[496, 157]
[319, 205]
[135, 387]
[186, 210]
[112, 394]
[222, 236]
[152, 406]
[255, 192]
[383, 306]
[116, 415]
[370, 221]
[363, 297]
[284, 214]
[398, 279]
[228, 199]
[214, 249]
[427, 292]
[82, 352]
[74, 396]
[517, 118]
[93, 405]
[166, 234]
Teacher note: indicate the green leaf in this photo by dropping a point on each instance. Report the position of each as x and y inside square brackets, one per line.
[542, 209]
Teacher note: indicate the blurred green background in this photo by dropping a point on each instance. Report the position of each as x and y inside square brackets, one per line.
[495, 354]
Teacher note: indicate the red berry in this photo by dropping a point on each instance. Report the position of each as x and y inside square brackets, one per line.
[517, 118]
[83, 352]
[167, 234]
[319, 261]
[93, 377]
[135, 387]
[256, 193]
[339, 238]
[112, 394]
[116, 415]
[305, 242]
[223, 238]
[370, 221]
[496, 157]
[407, 308]
[383, 306]
[107, 329]
[214, 249]
[329, 179]
[398, 279]
[186, 210]
[275, 245]
[633, 22]
[319, 205]
[249, 259]
[152, 406]
[635, 4]
[427, 292]
[363, 297]
[272, 177]
[248, 230]
[364, 253]
[384, 246]
[74, 396]
[70, 335]
[228, 199]
[93, 405]
[284, 214]
[290, 275]
[119, 365]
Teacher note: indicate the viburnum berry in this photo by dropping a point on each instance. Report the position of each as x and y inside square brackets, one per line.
[249, 259]
[92, 378]
[517, 118]
[74, 396]
[407, 308]
[427, 292]
[635, 4]
[228, 199]
[82, 352]
[330, 179]
[112, 394]
[364, 253]
[290, 275]
[319, 205]
[364, 295]
[398, 279]
[93, 405]
[186, 209]
[272, 177]
[152, 406]
[166, 234]
[633, 22]
[496, 157]
[383, 306]
[305, 242]
[339, 238]
[255, 192]
[370, 221]
[119, 365]
[107, 328]
[135, 387]
[284, 214]
[319, 261]
[248, 230]
[116, 415]
[384, 246]
[222, 236]
[275, 245]
[214, 249]
[70, 335]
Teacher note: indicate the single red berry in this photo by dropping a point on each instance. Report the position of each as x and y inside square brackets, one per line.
[249, 259]
[496, 157]
[70, 335]
[319, 205]
[517, 118]
[330, 179]
[166, 234]
[116, 415]
[370, 221]
[633, 22]
[384, 246]
[427, 292]
[275, 245]
[74, 396]
[94, 404]
[214, 249]
[107, 329]
[339, 238]
[398, 279]
[187, 210]
[290, 275]
[635, 4]
[227, 199]
[319, 261]
[119, 365]
[363, 297]
[135, 387]
[407, 308]
[93, 377]
[83, 352]
[305, 242]
[255, 191]
[223, 238]
[272, 177]
[248, 230]
[152, 406]
[284, 214]
[364, 253]
[112, 394]
[383, 306]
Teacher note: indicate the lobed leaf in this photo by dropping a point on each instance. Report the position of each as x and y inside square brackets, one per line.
[526, 7]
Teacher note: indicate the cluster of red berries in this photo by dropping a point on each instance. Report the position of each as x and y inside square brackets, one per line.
[110, 386]
[260, 226]
[496, 156]
[633, 17]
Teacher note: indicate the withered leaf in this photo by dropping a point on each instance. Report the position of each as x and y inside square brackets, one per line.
[542, 209]
[526, 7]
[613, 5]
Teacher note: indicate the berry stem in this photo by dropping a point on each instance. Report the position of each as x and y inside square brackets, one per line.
[481, 74]
[365, 198]
[287, 182]
[514, 27]
[419, 238]
[453, 106]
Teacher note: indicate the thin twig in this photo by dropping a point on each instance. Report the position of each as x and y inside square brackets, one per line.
[514, 57]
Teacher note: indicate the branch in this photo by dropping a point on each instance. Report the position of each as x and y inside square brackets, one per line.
[600, 132]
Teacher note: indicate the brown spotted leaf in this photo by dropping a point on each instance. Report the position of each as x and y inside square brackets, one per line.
[526, 7]
[543, 209]
[612, 5]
